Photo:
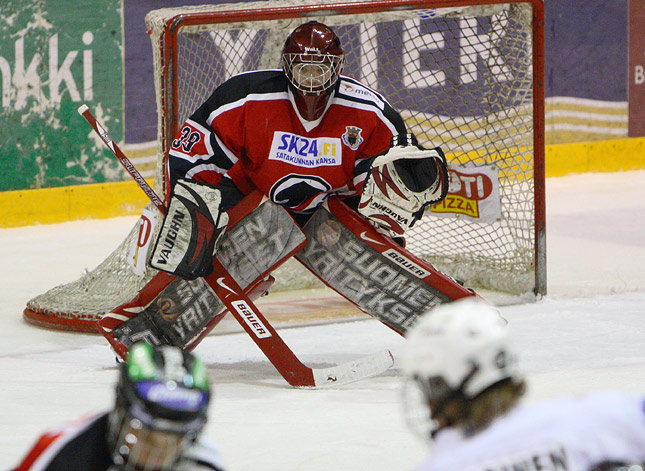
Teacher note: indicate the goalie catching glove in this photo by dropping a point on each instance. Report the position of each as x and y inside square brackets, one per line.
[401, 182]
[191, 231]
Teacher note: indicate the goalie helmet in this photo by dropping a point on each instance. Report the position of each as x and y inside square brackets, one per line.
[456, 351]
[312, 59]
[161, 407]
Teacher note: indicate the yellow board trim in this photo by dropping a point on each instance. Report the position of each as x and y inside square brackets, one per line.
[612, 155]
[107, 200]
[54, 205]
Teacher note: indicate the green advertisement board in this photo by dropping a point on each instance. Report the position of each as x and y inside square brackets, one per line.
[56, 55]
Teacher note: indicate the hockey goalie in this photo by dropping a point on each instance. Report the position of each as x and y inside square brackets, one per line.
[300, 161]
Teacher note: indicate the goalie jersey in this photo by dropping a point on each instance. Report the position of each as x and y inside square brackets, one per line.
[249, 131]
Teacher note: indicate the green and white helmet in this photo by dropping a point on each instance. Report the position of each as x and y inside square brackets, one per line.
[162, 400]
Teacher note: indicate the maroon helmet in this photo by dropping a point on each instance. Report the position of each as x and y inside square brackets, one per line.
[312, 59]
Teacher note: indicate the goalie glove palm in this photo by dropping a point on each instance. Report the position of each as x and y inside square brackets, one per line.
[401, 182]
[191, 231]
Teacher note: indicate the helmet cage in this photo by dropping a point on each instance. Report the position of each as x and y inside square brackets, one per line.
[312, 73]
[437, 390]
[424, 408]
[143, 437]
[141, 447]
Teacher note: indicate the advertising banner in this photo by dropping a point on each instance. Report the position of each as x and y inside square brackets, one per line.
[473, 193]
[56, 55]
[636, 92]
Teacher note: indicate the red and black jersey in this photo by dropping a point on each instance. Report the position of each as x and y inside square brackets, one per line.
[82, 446]
[249, 130]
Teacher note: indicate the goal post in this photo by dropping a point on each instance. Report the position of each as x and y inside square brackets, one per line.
[466, 75]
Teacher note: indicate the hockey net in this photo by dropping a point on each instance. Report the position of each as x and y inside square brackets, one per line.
[466, 75]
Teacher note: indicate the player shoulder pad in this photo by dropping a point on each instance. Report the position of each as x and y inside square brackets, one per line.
[354, 90]
[256, 82]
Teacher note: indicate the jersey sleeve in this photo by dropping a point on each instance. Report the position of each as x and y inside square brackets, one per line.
[388, 123]
[80, 441]
[197, 152]
[37, 450]
[210, 141]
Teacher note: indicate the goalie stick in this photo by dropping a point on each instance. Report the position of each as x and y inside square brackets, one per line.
[248, 315]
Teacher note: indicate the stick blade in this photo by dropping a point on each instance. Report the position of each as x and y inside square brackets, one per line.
[354, 370]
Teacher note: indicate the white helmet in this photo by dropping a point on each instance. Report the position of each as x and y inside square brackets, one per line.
[459, 348]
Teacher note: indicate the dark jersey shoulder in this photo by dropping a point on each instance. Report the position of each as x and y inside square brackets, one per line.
[87, 451]
[352, 90]
[242, 85]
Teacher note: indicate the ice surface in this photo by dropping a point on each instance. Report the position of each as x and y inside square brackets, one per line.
[587, 334]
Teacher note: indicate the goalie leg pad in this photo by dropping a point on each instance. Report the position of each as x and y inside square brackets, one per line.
[178, 312]
[190, 232]
[372, 271]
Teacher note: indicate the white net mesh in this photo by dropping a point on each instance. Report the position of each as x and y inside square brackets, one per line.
[462, 78]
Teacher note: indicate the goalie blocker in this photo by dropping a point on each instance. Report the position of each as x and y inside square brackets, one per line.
[191, 231]
[175, 311]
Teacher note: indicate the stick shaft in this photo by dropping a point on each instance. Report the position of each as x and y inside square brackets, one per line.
[114, 148]
[258, 327]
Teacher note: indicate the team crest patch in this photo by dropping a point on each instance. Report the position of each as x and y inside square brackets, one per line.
[352, 137]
